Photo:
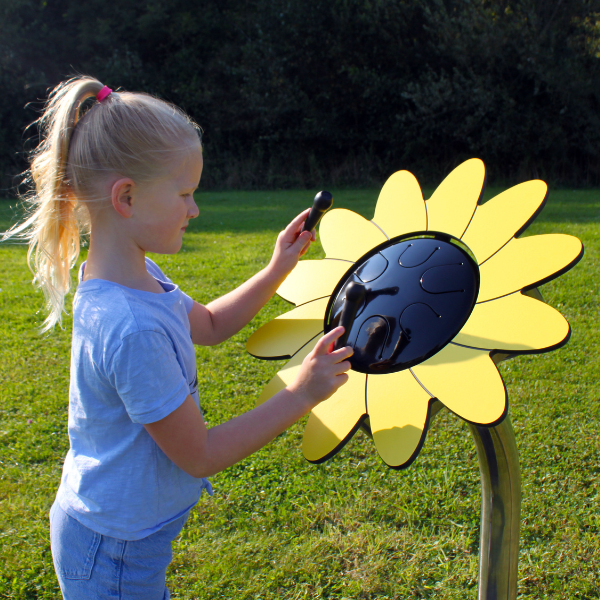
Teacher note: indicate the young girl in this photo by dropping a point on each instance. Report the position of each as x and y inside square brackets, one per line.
[125, 166]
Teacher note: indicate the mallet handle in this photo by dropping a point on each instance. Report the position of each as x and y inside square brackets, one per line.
[355, 296]
[321, 204]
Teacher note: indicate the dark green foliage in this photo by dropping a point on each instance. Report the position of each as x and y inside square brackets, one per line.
[303, 92]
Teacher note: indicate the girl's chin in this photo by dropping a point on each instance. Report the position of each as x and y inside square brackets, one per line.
[173, 248]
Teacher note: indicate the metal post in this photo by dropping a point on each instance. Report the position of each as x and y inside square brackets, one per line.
[500, 510]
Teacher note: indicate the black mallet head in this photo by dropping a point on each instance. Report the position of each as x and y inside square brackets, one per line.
[321, 204]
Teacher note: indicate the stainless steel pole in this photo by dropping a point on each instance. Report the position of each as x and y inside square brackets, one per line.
[500, 510]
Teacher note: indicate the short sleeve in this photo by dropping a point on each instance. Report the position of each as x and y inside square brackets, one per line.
[148, 377]
[188, 303]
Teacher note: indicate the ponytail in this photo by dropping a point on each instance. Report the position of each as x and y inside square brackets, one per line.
[53, 228]
[130, 134]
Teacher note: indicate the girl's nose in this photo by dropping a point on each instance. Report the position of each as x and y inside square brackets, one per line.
[193, 210]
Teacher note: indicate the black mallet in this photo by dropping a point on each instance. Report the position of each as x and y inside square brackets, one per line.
[321, 204]
[354, 298]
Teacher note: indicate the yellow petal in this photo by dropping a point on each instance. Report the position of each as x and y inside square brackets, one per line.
[285, 335]
[466, 381]
[398, 410]
[400, 208]
[517, 323]
[346, 235]
[451, 206]
[526, 262]
[312, 279]
[333, 422]
[287, 373]
[499, 219]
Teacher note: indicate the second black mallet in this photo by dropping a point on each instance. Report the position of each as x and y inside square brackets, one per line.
[355, 296]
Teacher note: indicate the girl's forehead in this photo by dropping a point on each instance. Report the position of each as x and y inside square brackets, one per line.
[188, 169]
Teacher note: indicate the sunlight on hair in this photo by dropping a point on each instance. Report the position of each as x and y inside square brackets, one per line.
[128, 134]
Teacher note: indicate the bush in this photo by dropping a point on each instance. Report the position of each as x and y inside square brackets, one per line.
[305, 92]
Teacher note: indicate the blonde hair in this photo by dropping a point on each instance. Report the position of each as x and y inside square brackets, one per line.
[130, 134]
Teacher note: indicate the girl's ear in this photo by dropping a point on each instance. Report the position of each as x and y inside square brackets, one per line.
[121, 196]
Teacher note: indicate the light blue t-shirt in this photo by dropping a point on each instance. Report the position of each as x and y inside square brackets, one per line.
[132, 362]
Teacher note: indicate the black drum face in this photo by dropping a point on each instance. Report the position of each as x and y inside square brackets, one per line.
[419, 294]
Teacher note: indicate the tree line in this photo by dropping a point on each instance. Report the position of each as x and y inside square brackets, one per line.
[337, 92]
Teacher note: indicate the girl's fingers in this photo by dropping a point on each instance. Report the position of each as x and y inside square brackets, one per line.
[325, 342]
[295, 224]
[293, 235]
[342, 379]
[342, 367]
[304, 250]
[342, 353]
[302, 242]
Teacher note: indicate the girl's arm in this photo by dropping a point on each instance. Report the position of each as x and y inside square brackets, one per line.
[202, 452]
[224, 317]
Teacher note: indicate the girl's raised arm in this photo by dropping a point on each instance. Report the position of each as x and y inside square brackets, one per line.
[224, 317]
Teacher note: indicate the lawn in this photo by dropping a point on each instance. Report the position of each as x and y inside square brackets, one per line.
[279, 527]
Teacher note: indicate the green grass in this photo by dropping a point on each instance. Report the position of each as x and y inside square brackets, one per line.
[278, 527]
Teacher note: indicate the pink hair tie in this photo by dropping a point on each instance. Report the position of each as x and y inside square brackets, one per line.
[105, 92]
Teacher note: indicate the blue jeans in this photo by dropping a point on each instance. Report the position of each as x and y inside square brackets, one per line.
[91, 566]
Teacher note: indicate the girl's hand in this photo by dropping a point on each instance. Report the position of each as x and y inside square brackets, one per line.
[292, 243]
[323, 371]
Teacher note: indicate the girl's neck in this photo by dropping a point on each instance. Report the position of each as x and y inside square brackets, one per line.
[119, 262]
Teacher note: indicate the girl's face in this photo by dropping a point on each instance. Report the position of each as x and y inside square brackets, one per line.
[164, 208]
